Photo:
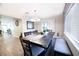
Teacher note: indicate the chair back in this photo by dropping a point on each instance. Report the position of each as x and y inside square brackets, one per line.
[26, 46]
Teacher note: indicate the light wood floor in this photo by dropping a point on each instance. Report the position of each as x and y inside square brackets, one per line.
[10, 46]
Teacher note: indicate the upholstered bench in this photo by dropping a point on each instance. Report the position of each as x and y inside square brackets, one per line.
[61, 48]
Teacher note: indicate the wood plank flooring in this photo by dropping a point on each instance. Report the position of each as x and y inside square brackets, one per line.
[10, 46]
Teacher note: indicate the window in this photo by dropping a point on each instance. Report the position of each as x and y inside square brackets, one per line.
[45, 26]
[72, 23]
[30, 25]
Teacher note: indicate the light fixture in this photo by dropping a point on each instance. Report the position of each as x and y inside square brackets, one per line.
[35, 18]
[26, 12]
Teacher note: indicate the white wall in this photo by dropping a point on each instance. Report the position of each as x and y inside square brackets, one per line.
[9, 23]
[18, 29]
[51, 24]
[60, 25]
[38, 26]
[56, 24]
[24, 24]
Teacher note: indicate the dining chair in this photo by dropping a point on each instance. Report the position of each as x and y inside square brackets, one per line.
[37, 51]
[26, 46]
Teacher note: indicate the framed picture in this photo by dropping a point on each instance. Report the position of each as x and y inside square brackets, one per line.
[17, 22]
[30, 25]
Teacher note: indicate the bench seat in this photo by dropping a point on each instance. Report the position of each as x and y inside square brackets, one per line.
[61, 48]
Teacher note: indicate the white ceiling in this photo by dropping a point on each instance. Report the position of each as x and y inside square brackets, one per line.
[44, 10]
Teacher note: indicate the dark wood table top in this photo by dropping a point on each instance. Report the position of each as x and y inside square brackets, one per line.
[10, 46]
[38, 40]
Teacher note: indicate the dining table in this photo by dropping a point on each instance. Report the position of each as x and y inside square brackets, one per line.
[39, 40]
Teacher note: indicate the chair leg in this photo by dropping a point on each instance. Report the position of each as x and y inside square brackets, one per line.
[30, 50]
